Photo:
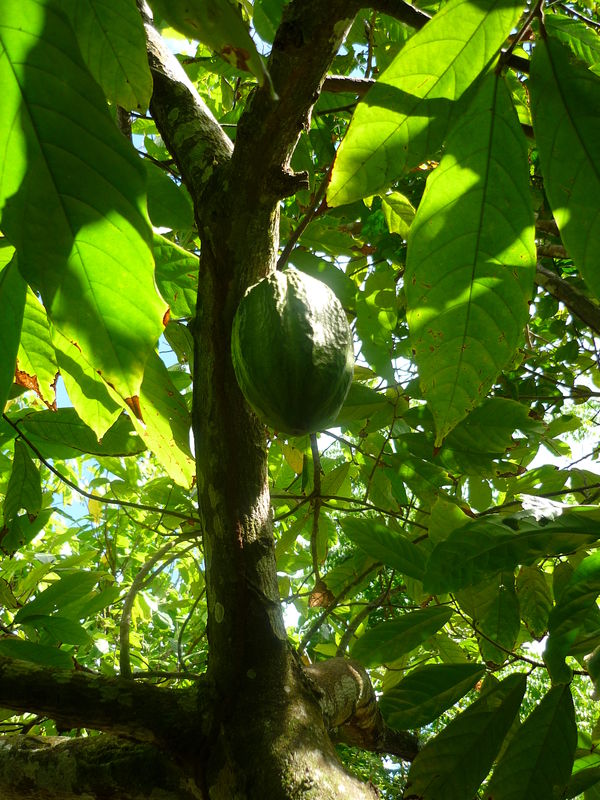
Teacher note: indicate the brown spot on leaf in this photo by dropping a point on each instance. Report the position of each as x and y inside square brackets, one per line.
[166, 317]
[241, 56]
[31, 382]
[134, 404]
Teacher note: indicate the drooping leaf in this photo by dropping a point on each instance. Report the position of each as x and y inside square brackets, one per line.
[538, 760]
[62, 629]
[97, 405]
[176, 276]
[453, 764]
[71, 197]
[399, 213]
[484, 547]
[62, 434]
[385, 545]
[169, 205]
[12, 304]
[565, 106]
[22, 529]
[36, 360]
[426, 692]
[165, 423]
[404, 117]
[500, 624]
[60, 594]
[576, 601]
[113, 44]
[471, 259]
[36, 653]
[535, 599]
[24, 489]
[388, 641]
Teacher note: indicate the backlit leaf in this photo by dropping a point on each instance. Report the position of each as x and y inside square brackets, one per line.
[24, 489]
[12, 304]
[385, 545]
[471, 259]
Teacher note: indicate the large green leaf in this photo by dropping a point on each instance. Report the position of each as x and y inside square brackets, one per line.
[12, 305]
[404, 117]
[387, 642]
[169, 205]
[484, 547]
[59, 595]
[453, 764]
[176, 276]
[471, 259]
[24, 489]
[384, 545]
[36, 653]
[112, 42]
[565, 106]
[538, 760]
[72, 197]
[574, 605]
[426, 692]
[535, 599]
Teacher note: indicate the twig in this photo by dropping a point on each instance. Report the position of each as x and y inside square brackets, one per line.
[314, 536]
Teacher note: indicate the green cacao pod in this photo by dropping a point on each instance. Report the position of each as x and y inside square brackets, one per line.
[292, 352]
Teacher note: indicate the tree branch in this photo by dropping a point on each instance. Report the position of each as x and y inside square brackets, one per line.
[351, 712]
[578, 304]
[170, 718]
[95, 767]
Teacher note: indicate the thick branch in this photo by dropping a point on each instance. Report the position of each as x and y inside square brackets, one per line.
[192, 134]
[58, 768]
[350, 709]
[578, 304]
[167, 717]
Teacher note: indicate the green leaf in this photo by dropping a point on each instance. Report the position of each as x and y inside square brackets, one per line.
[565, 103]
[539, 757]
[535, 599]
[569, 615]
[387, 642]
[60, 594]
[24, 489]
[22, 530]
[484, 547]
[165, 424]
[36, 653]
[96, 404]
[581, 40]
[72, 197]
[426, 692]
[471, 259]
[12, 304]
[169, 205]
[453, 764]
[582, 780]
[61, 629]
[404, 117]
[36, 360]
[219, 24]
[176, 276]
[500, 624]
[62, 434]
[399, 213]
[112, 42]
[384, 545]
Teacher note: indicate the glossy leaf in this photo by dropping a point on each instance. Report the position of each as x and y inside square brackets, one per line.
[24, 489]
[112, 42]
[538, 760]
[453, 764]
[426, 692]
[482, 548]
[386, 642]
[12, 305]
[385, 545]
[405, 116]
[568, 616]
[471, 259]
[565, 107]
[75, 212]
